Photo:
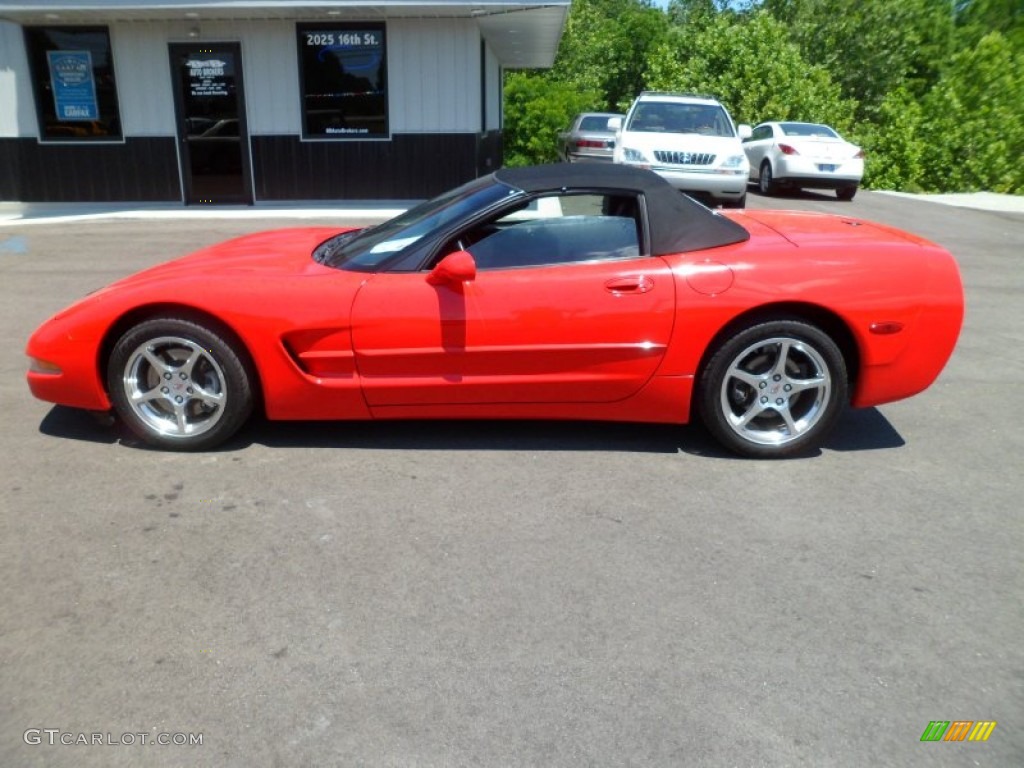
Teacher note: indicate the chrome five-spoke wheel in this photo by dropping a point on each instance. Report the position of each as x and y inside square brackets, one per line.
[178, 384]
[175, 386]
[774, 389]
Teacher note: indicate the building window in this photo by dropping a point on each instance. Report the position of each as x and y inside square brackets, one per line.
[343, 81]
[73, 79]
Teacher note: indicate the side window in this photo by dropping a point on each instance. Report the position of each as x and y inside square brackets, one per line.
[558, 229]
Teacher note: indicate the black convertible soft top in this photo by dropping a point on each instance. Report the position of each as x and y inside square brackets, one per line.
[677, 223]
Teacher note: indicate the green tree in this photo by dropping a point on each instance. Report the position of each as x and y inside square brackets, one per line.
[605, 46]
[536, 109]
[976, 18]
[749, 62]
[973, 121]
[872, 47]
[693, 14]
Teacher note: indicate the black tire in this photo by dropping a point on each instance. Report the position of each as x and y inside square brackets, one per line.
[846, 193]
[766, 184]
[773, 390]
[740, 203]
[179, 385]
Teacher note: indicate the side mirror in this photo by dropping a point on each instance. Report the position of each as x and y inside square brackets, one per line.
[745, 131]
[456, 268]
[614, 124]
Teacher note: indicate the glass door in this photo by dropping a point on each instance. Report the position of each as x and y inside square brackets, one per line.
[212, 135]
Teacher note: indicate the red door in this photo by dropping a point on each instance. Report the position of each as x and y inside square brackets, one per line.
[587, 332]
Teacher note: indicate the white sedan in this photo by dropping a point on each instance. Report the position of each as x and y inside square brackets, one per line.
[796, 155]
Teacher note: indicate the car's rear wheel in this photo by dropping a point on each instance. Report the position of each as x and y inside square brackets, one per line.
[846, 193]
[178, 384]
[773, 390]
[765, 180]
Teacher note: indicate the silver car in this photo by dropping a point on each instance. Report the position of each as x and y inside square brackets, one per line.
[588, 138]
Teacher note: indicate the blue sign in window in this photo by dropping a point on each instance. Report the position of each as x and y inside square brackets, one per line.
[74, 90]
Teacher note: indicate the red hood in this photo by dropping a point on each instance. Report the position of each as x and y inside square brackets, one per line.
[278, 251]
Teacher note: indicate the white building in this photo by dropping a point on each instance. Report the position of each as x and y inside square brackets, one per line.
[242, 101]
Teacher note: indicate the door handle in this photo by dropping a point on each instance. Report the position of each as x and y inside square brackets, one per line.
[630, 284]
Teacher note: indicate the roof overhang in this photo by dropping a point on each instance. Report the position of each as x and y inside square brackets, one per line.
[521, 34]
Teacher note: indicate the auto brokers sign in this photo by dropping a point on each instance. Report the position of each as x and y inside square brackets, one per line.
[208, 77]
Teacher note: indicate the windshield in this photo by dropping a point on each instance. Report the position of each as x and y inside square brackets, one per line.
[673, 117]
[367, 249]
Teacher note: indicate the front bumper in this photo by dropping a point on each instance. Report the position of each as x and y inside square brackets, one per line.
[75, 386]
[721, 184]
[64, 362]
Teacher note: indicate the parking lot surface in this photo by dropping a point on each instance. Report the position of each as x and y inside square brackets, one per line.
[513, 594]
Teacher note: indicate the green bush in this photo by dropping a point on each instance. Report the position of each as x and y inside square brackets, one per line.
[893, 145]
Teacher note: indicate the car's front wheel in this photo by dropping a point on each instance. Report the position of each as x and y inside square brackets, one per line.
[178, 384]
[773, 390]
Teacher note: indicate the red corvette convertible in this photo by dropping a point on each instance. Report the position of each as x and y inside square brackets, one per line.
[551, 292]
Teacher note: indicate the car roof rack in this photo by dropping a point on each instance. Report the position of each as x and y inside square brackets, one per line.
[680, 94]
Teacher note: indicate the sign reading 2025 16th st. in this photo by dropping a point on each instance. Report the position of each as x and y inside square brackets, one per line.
[74, 90]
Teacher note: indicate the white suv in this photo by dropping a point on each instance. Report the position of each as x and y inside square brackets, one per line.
[688, 140]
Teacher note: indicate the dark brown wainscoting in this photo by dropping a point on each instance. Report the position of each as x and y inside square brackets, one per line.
[410, 166]
[144, 169]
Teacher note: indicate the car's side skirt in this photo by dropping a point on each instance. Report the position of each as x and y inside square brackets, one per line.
[663, 400]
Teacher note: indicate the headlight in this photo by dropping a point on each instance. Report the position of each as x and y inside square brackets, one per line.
[633, 155]
[734, 165]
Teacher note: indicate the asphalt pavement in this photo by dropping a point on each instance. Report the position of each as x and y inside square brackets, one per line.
[510, 594]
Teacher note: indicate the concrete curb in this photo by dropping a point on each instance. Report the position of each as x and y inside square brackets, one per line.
[19, 214]
[980, 201]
